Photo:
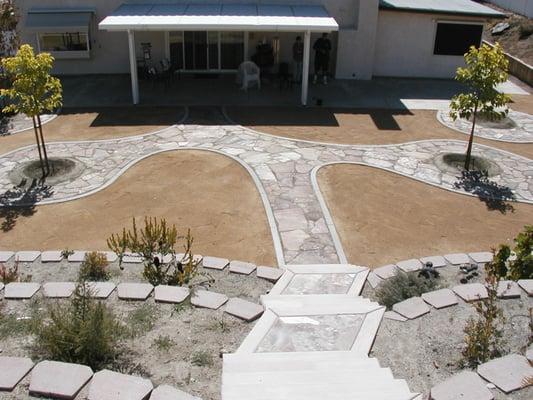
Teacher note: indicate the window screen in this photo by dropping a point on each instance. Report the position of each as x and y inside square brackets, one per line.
[456, 39]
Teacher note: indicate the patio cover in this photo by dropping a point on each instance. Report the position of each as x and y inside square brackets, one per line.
[219, 17]
[52, 20]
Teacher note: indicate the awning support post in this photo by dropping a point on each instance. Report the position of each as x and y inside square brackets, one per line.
[133, 68]
[305, 72]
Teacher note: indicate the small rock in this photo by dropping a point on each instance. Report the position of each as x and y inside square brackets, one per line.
[500, 28]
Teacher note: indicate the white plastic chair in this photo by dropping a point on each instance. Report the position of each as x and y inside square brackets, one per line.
[248, 74]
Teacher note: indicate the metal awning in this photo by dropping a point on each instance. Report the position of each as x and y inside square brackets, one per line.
[451, 7]
[220, 17]
[52, 20]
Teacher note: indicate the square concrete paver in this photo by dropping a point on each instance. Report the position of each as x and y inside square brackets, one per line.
[410, 265]
[374, 280]
[457, 258]
[27, 256]
[111, 256]
[269, 273]
[13, 370]
[132, 258]
[166, 392]
[507, 373]
[21, 290]
[58, 289]
[440, 298]
[51, 256]
[241, 267]
[394, 316]
[243, 309]
[101, 290]
[5, 256]
[508, 290]
[386, 272]
[411, 308]
[77, 256]
[134, 291]
[437, 261]
[109, 385]
[59, 380]
[171, 294]
[482, 257]
[207, 299]
[471, 291]
[466, 385]
[526, 285]
[215, 263]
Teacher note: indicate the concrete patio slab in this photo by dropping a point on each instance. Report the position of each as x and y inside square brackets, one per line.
[410, 265]
[58, 289]
[508, 290]
[134, 291]
[464, 385]
[243, 309]
[440, 298]
[215, 263]
[411, 308]
[77, 256]
[482, 257]
[27, 256]
[21, 290]
[13, 370]
[457, 258]
[51, 256]
[507, 373]
[171, 294]
[207, 299]
[386, 271]
[101, 290]
[471, 291]
[437, 261]
[526, 285]
[109, 385]
[59, 380]
[241, 267]
[166, 392]
[374, 280]
[269, 273]
[394, 316]
[5, 256]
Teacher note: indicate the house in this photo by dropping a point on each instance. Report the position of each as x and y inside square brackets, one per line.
[396, 38]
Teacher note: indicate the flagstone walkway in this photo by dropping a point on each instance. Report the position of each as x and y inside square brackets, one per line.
[283, 170]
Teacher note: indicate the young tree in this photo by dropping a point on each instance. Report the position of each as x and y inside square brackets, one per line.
[485, 68]
[33, 91]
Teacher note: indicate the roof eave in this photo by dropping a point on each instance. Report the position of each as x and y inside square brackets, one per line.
[442, 12]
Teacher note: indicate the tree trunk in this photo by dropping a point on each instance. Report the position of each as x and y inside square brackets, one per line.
[38, 146]
[44, 145]
[470, 141]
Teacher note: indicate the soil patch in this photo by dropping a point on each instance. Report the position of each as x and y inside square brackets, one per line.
[382, 217]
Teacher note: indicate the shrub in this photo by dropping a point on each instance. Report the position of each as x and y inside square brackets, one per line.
[154, 243]
[94, 267]
[84, 331]
[11, 274]
[163, 343]
[141, 320]
[202, 359]
[526, 29]
[403, 286]
[506, 265]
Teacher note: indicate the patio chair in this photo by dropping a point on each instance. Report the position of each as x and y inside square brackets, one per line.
[249, 73]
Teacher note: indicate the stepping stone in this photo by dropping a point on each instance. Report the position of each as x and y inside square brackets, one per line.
[374, 280]
[243, 309]
[481, 257]
[457, 258]
[240, 267]
[207, 299]
[134, 291]
[394, 316]
[171, 294]
[132, 258]
[59, 380]
[465, 385]
[51, 256]
[411, 308]
[437, 261]
[77, 256]
[471, 291]
[527, 285]
[165, 259]
[508, 290]
[5, 256]
[269, 273]
[21, 290]
[410, 265]
[59, 289]
[197, 257]
[13, 370]
[507, 373]
[386, 272]
[1, 286]
[215, 263]
[440, 298]
[166, 392]
[109, 385]
[27, 256]
[101, 290]
[529, 354]
[111, 256]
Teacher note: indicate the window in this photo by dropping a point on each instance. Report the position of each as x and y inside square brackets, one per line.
[454, 39]
[60, 42]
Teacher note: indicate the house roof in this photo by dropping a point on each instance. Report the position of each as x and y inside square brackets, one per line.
[453, 7]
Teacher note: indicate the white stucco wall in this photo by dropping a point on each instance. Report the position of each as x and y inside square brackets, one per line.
[405, 42]
[524, 7]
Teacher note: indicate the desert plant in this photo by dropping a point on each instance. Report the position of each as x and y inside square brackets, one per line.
[202, 359]
[403, 286]
[94, 267]
[84, 331]
[141, 320]
[9, 274]
[517, 263]
[163, 343]
[154, 242]
[485, 68]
